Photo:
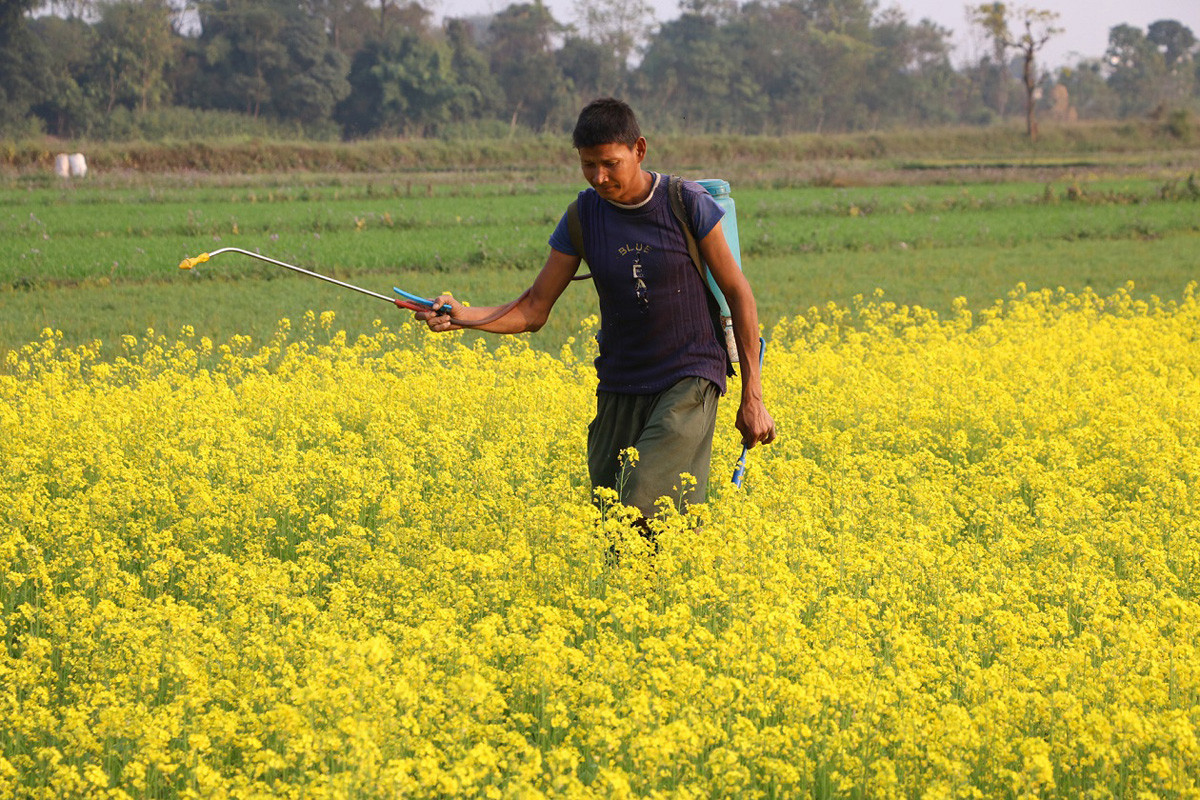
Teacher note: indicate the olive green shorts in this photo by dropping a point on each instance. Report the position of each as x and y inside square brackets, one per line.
[673, 434]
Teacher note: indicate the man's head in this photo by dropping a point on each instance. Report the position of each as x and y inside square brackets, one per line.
[611, 149]
[606, 121]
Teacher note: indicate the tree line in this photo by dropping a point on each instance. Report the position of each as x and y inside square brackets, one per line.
[363, 68]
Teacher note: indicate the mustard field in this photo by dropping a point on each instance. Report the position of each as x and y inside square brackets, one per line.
[314, 567]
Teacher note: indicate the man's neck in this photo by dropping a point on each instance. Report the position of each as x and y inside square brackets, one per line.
[649, 184]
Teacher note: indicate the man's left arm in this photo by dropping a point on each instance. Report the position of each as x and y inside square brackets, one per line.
[753, 419]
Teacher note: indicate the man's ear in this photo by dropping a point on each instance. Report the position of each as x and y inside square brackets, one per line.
[639, 148]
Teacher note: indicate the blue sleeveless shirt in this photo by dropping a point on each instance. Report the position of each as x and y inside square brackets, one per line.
[656, 326]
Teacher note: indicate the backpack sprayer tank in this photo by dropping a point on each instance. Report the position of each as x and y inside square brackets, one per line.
[719, 189]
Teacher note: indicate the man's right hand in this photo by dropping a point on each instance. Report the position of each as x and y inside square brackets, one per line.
[441, 320]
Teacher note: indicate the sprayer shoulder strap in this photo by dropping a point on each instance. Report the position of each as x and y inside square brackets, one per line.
[675, 195]
[575, 229]
[678, 208]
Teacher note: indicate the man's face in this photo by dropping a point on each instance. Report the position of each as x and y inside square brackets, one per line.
[615, 171]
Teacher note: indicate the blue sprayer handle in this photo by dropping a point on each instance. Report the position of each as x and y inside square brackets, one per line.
[421, 301]
[740, 470]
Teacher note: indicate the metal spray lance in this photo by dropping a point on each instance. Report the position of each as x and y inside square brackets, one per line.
[406, 300]
[740, 470]
[410, 301]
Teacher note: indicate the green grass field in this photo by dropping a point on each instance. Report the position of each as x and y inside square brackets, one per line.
[98, 258]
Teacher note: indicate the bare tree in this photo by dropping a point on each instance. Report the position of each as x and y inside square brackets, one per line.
[1039, 28]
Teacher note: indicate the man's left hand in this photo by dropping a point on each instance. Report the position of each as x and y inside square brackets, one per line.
[755, 423]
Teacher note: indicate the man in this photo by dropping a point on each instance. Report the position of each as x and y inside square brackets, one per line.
[661, 365]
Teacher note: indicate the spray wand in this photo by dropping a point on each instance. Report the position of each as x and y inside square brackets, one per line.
[410, 301]
[740, 470]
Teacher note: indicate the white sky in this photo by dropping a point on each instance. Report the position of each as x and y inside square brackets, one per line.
[1085, 23]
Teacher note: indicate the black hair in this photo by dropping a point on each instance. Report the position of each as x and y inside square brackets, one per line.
[606, 121]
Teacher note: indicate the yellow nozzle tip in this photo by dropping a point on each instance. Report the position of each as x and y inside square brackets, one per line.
[188, 263]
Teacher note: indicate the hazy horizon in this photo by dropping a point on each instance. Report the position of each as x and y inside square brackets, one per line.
[1085, 23]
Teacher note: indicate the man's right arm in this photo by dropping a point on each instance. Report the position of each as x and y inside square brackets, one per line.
[528, 312]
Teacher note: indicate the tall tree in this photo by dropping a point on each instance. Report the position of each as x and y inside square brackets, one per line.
[1137, 70]
[1174, 40]
[267, 57]
[315, 80]
[769, 66]
[1037, 27]
[348, 23]
[135, 45]
[479, 95]
[523, 60]
[690, 71]
[620, 28]
[992, 19]
[12, 17]
[848, 17]
[240, 42]
[410, 16]
[65, 60]
[24, 76]
[815, 56]
[778, 63]
[910, 78]
[401, 84]
[1177, 45]
[591, 69]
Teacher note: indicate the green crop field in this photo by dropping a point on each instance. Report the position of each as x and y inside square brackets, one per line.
[97, 259]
